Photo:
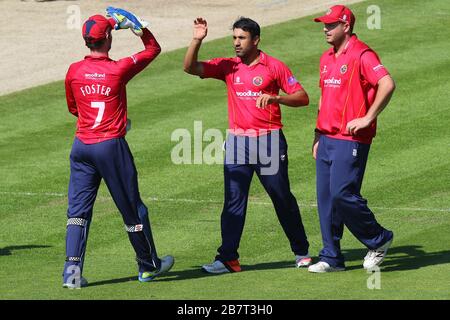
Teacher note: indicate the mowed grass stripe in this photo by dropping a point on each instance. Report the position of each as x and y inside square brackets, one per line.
[206, 201]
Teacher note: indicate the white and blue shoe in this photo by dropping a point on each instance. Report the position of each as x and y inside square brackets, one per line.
[167, 263]
[375, 257]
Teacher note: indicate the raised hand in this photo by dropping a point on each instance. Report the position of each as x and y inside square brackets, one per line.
[200, 29]
[127, 20]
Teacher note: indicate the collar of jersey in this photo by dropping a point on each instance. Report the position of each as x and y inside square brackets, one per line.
[97, 58]
[262, 59]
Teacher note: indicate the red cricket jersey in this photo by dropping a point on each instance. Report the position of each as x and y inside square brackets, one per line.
[245, 84]
[96, 93]
[349, 86]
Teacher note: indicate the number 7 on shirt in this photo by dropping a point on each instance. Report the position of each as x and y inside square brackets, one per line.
[101, 109]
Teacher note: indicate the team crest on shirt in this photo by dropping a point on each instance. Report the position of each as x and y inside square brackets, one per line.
[257, 81]
[343, 69]
[324, 70]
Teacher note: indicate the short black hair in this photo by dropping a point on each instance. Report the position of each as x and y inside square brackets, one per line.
[248, 25]
[94, 45]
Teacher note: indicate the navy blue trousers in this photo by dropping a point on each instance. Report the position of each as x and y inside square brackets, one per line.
[113, 162]
[241, 161]
[340, 167]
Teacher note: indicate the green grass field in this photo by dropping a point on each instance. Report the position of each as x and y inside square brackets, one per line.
[407, 181]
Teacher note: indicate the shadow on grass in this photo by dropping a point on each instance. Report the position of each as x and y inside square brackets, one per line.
[402, 258]
[398, 259]
[7, 251]
[113, 281]
[196, 273]
[188, 274]
[169, 276]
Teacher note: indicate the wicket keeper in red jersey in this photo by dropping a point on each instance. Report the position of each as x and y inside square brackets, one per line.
[96, 95]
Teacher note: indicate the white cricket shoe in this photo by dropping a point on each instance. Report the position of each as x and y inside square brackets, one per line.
[218, 267]
[375, 257]
[322, 267]
[303, 261]
[82, 283]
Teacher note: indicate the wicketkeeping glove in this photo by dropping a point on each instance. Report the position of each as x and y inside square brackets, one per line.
[127, 20]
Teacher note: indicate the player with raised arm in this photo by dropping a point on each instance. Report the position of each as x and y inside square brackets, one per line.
[96, 95]
[253, 80]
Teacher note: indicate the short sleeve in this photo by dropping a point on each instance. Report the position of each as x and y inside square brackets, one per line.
[215, 68]
[371, 68]
[286, 79]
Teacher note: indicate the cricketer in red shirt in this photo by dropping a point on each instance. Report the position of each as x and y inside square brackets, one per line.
[96, 94]
[254, 80]
[96, 91]
[349, 85]
[245, 84]
[355, 87]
